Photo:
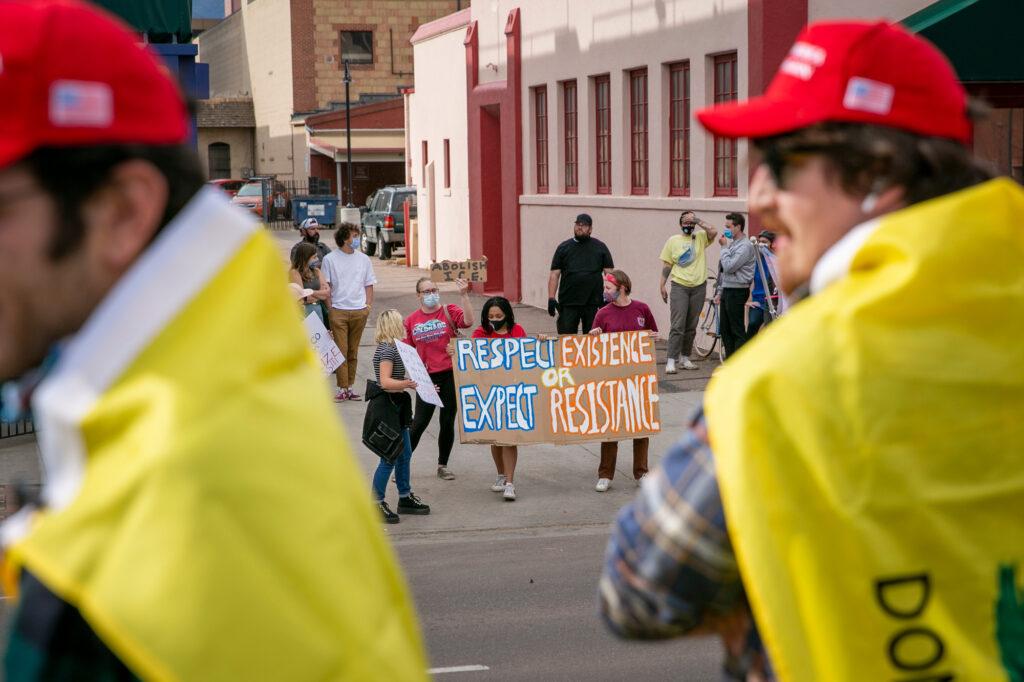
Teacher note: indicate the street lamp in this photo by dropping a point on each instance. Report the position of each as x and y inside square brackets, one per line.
[348, 135]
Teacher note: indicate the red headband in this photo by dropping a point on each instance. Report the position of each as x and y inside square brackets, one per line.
[611, 278]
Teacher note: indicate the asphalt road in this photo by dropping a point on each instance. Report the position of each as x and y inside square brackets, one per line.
[523, 606]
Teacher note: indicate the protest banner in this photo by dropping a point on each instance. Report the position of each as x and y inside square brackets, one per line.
[557, 390]
[451, 270]
[415, 370]
[323, 343]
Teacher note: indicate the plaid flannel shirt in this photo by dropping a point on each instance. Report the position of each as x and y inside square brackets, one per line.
[670, 567]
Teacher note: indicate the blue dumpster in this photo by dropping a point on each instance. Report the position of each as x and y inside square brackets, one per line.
[323, 207]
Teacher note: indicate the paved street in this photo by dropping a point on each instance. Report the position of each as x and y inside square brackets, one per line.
[507, 589]
[511, 586]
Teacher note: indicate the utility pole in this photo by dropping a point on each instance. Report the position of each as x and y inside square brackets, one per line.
[348, 134]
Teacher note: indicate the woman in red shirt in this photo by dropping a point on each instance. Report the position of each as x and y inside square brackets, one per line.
[429, 329]
[622, 314]
[497, 321]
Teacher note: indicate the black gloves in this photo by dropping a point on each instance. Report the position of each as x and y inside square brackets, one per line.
[552, 306]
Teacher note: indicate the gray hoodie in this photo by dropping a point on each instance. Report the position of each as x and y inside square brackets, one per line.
[738, 263]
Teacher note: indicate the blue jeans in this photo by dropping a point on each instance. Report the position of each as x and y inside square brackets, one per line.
[401, 468]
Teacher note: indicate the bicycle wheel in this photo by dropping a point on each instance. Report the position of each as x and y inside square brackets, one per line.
[707, 329]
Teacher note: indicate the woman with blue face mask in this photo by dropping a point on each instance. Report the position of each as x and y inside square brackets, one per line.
[429, 330]
[305, 272]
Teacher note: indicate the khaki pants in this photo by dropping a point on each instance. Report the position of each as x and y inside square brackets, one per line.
[347, 327]
[610, 451]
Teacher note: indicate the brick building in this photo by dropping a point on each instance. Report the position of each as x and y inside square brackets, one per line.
[287, 57]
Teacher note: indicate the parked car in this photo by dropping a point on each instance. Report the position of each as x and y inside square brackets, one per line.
[383, 221]
[250, 197]
[229, 187]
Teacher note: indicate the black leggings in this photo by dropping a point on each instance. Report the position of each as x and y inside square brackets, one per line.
[424, 411]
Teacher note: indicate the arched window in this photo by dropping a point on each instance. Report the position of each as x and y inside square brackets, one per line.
[219, 157]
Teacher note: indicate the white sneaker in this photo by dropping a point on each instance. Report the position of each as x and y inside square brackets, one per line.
[510, 492]
[670, 366]
[687, 364]
[499, 484]
[603, 484]
[640, 480]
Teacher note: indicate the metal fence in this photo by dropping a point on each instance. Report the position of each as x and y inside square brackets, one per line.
[19, 428]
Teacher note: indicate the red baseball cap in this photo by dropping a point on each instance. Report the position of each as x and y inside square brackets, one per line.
[853, 71]
[73, 75]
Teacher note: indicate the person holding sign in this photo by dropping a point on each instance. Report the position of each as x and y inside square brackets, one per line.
[497, 321]
[429, 330]
[390, 374]
[305, 272]
[621, 314]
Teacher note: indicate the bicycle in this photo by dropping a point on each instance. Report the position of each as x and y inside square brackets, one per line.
[709, 329]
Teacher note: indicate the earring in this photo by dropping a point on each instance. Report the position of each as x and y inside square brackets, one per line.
[869, 203]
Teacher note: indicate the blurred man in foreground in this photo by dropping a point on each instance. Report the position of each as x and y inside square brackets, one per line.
[856, 479]
[191, 525]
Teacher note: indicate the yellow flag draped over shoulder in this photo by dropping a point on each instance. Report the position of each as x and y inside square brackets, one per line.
[870, 452]
[218, 527]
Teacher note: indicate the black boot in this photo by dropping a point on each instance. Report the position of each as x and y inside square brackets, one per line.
[389, 516]
[412, 505]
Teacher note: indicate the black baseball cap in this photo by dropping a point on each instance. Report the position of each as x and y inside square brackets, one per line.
[585, 219]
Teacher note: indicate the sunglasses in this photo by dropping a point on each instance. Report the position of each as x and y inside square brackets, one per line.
[780, 164]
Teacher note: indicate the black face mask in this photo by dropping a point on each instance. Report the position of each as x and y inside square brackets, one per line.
[687, 229]
[498, 324]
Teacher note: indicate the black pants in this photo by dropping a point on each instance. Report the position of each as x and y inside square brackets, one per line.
[424, 411]
[733, 333]
[570, 317]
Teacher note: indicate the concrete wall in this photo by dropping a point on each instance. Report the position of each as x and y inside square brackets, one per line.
[251, 50]
[437, 111]
[870, 9]
[240, 141]
[565, 40]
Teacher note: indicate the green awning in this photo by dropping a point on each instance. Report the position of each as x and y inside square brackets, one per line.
[980, 37]
[163, 20]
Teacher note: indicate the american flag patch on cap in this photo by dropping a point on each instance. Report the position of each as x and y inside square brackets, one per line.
[81, 104]
[864, 94]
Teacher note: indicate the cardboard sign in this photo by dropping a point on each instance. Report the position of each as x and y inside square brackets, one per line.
[451, 270]
[323, 343]
[415, 370]
[567, 389]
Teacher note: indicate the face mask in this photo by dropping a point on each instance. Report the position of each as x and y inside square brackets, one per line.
[727, 234]
[687, 229]
[498, 324]
[614, 296]
[355, 242]
[432, 300]
[313, 264]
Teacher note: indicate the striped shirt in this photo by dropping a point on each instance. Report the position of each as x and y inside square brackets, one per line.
[388, 352]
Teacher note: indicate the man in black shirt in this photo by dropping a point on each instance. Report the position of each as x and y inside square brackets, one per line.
[576, 271]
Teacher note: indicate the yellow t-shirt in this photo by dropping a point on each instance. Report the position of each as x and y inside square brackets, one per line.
[692, 269]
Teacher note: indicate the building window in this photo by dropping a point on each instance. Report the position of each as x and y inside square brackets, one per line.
[447, 166]
[218, 156]
[571, 143]
[725, 148]
[357, 47]
[679, 128]
[638, 131]
[423, 149]
[603, 133]
[540, 115]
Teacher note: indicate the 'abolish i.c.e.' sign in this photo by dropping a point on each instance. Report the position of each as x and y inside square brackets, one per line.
[557, 390]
